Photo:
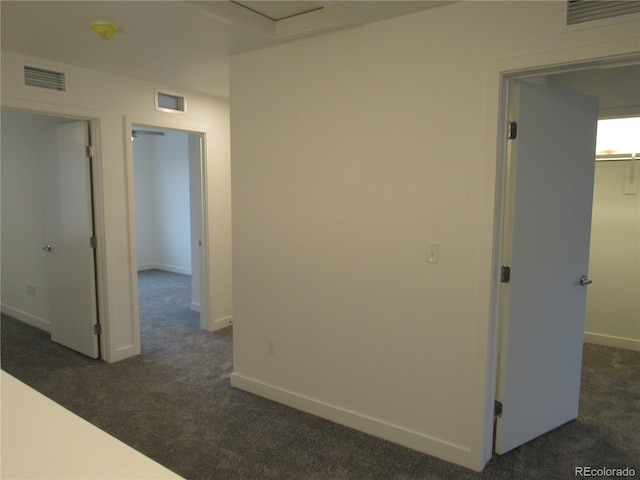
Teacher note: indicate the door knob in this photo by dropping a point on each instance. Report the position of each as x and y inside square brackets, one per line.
[47, 248]
[585, 281]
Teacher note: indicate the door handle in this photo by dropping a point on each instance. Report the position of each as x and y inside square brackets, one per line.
[47, 248]
[585, 281]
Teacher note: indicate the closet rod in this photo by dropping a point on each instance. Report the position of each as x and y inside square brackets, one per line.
[616, 158]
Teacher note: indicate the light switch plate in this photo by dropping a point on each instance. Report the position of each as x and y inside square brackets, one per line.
[432, 252]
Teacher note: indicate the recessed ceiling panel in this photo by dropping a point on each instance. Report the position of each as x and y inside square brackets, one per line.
[279, 10]
[183, 43]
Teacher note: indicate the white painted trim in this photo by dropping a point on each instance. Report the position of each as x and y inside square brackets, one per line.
[205, 308]
[132, 263]
[169, 123]
[122, 353]
[612, 341]
[438, 447]
[166, 268]
[146, 266]
[220, 323]
[27, 318]
[100, 233]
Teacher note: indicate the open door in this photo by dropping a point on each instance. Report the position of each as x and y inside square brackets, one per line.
[546, 247]
[69, 248]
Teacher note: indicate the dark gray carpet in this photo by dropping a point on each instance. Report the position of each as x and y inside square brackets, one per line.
[174, 404]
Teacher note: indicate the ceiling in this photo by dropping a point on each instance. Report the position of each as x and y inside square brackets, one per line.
[185, 44]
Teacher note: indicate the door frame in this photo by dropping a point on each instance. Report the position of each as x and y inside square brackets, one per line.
[507, 79]
[206, 321]
[97, 188]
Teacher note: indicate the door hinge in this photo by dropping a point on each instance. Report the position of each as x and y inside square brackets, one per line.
[497, 409]
[89, 151]
[93, 242]
[512, 130]
[505, 276]
[97, 330]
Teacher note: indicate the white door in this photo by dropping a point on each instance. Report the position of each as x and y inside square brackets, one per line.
[547, 247]
[68, 253]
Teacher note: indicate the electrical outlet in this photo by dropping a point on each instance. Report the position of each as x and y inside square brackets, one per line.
[31, 289]
[271, 346]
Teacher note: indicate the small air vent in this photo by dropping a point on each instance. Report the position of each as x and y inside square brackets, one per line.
[168, 102]
[38, 77]
[580, 11]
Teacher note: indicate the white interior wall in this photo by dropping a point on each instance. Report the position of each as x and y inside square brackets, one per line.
[171, 194]
[161, 166]
[111, 102]
[353, 151]
[26, 141]
[616, 88]
[145, 211]
[613, 303]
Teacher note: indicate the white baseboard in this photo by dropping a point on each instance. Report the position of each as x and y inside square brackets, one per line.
[459, 454]
[174, 269]
[611, 341]
[27, 318]
[146, 266]
[166, 268]
[217, 324]
[121, 353]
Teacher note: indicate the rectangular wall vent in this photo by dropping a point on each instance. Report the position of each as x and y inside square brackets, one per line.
[168, 102]
[41, 78]
[580, 11]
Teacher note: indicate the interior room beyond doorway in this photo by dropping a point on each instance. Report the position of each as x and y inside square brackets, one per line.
[613, 303]
[613, 308]
[167, 210]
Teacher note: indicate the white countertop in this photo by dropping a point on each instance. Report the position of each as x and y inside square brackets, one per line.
[40, 440]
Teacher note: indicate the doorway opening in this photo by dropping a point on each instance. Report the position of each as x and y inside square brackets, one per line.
[613, 301]
[615, 84]
[49, 239]
[167, 179]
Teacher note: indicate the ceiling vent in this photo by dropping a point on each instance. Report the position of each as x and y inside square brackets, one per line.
[169, 102]
[580, 11]
[41, 78]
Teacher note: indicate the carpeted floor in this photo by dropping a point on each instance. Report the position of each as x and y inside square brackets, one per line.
[174, 403]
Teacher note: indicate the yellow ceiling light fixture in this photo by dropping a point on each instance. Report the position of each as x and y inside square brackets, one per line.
[104, 30]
